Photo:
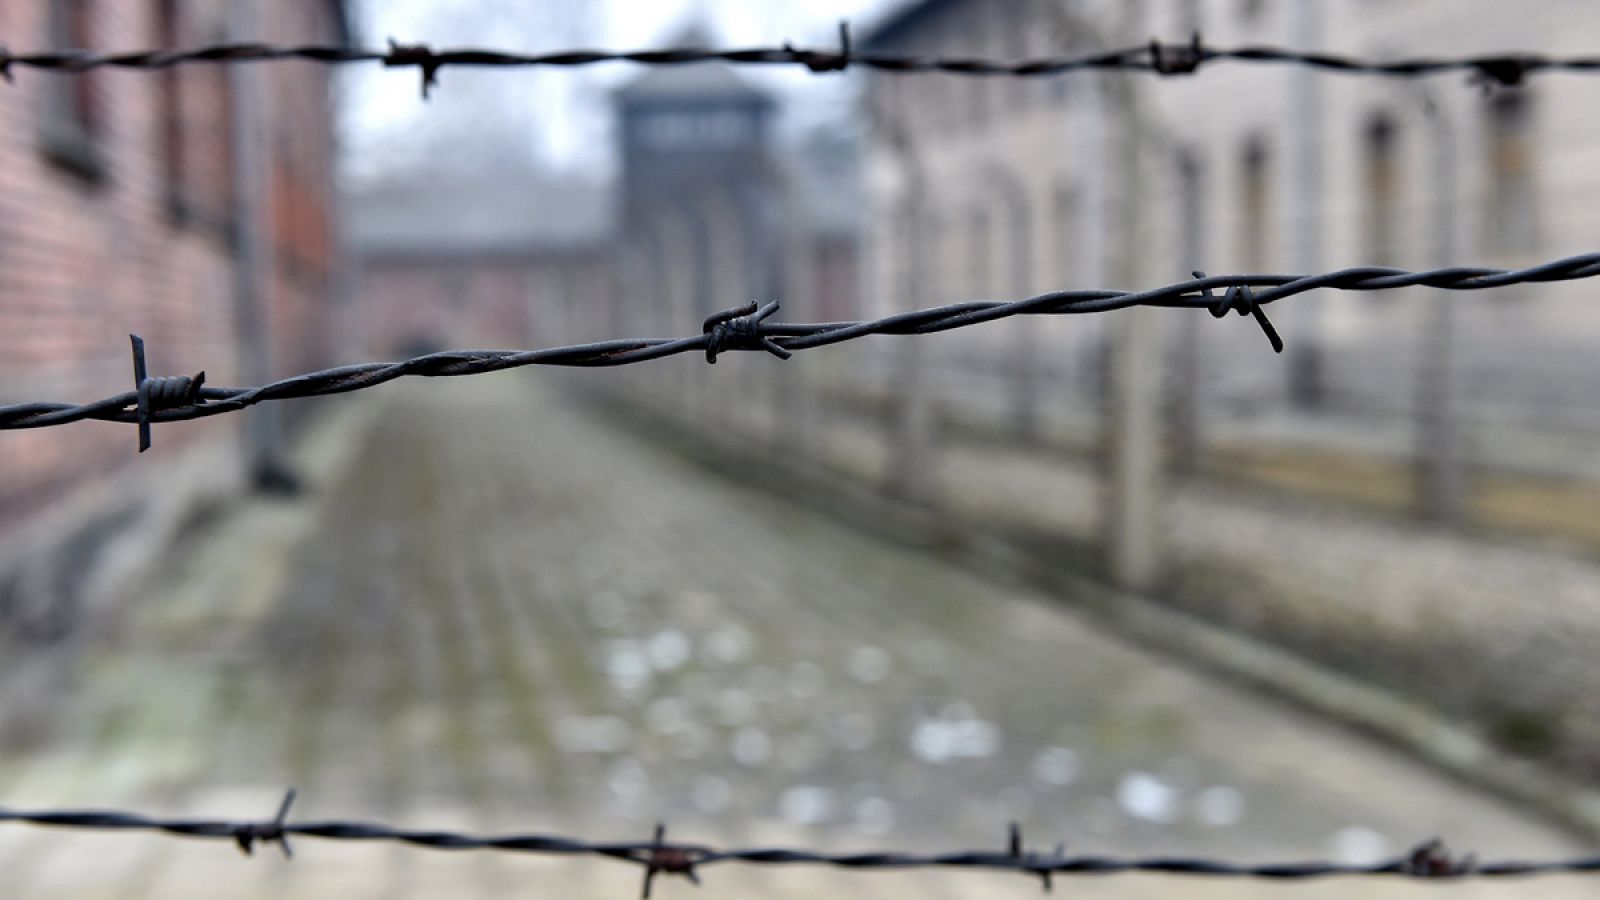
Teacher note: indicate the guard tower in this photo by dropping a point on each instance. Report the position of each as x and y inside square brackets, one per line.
[693, 135]
[681, 124]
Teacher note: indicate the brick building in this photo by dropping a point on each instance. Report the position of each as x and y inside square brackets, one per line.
[192, 205]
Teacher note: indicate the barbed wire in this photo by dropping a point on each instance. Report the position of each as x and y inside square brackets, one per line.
[181, 398]
[659, 857]
[1505, 69]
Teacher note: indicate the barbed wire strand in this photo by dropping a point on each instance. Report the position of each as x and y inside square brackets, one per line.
[658, 856]
[1504, 69]
[181, 398]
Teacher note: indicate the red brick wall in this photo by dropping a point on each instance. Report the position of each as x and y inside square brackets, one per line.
[84, 261]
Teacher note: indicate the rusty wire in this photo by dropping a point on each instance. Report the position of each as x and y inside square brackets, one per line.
[178, 398]
[1429, 860]
[1504, 69]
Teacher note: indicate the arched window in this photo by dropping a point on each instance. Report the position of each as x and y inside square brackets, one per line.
[1254, 202]
[1382, 181]
[1191, 211]
[73, 115]
[1510, 216]
[169, 33]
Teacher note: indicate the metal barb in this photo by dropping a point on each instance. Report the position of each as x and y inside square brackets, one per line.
[5, 65]
[272, 832]
[664, 859]
[1177, 59]
[822, 61]
[740, 329]
[1431, 859]
[1035, 863]
[1501, 71]
[1240, 297]
[152, 395]
[419, 55]
[743, 329]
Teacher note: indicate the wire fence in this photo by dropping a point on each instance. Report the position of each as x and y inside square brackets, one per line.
[178, 398]
[1504, 69]
[748, 328]
[1428, 860]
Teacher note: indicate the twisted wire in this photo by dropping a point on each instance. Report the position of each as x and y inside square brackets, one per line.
[747, 329]
[1156, 57]
[658, 856]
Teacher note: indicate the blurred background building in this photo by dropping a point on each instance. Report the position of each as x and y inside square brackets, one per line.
[1476, 413]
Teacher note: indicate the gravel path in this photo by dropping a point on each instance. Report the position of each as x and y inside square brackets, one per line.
[514, 616]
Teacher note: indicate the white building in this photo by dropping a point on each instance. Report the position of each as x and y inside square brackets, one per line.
[998, 188]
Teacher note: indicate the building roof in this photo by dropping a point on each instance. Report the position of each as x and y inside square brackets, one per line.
[898, 19]
[694, 81]
[455, 215]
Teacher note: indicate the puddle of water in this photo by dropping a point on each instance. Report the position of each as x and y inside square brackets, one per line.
[1056, 767]
[735, 706]
[711, 794]
[730, 644]
[607, 610]
[874, 815]
[694, 743]
[751, 747]
[948, 737]
[806, 804]
[629, 782]
[592, 734]
[801, 752]
[766, 683]
[667, 715]
[806, 680]
[1359, 845]
[853, 731]
[1220, 806]
[869, 664]
[669, 650]
[1144, 796]
[627, 668]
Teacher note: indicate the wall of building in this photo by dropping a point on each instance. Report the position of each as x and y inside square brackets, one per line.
[126, 226]
[118, 215]
[967, 146]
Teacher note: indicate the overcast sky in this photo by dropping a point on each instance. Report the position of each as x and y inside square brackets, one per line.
[556, 115]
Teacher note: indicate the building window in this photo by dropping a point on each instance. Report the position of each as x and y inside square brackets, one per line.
[709, 130]
[1253, 203]
[1382, 188]
[169, 34]
[70, 123]
[1191, 210]
[1511, 221]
